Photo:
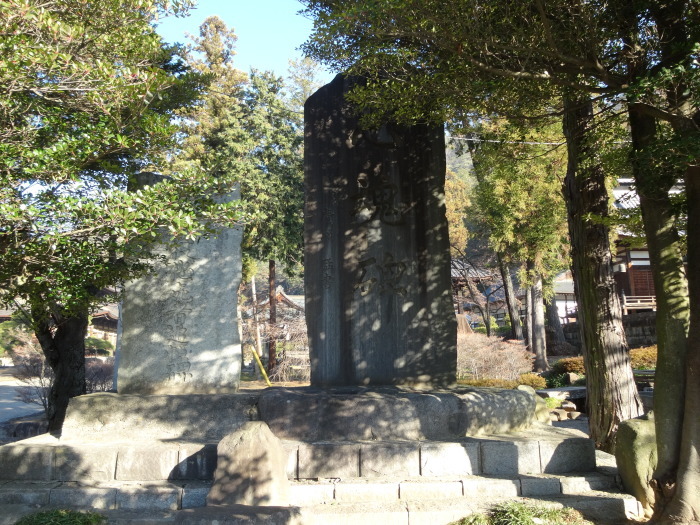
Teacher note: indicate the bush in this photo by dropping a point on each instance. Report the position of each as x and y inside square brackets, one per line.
[643, 358]
[481, 357]
[99, 375]
[569, 365]
[536, 381]
[515, 513]
[101, 347]
[556, 380]
[62, 517]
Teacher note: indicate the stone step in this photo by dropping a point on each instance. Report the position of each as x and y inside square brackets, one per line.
[45, 458]
[472, 488]
[183, 495]
[602, 508]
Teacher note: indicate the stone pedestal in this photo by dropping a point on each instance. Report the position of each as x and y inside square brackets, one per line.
[377, 263]
[179, 325]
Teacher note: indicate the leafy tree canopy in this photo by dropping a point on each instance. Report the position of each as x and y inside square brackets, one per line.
[87, 93]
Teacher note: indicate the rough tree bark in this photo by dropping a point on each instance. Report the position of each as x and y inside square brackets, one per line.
[528, 318]
[539, 336]
[684, 506]
[552, 314]
[511, 301]
[611, 392]
[62, 340]
[671, 289]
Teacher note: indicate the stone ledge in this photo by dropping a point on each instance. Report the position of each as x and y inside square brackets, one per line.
[540, 450]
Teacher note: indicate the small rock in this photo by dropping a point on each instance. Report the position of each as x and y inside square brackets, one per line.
[568, 406]
[561, 414]
[574, 415]
[571, 378]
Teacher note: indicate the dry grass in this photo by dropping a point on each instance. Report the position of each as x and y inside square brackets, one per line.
[480, 357]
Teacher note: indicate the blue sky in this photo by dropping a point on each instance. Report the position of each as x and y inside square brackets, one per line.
[269, 31]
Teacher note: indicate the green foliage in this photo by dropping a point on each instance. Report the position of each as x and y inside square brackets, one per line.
[87, 97]
[536, 381]
[518, 196]
[8, 338]
[552, 402]
[569, 365]
[62, 517]
[554, 380]
[643, 358]
[98, 346]
[249, 130]
[516, 513]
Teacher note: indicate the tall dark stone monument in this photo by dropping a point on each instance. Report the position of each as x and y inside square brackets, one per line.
[377, 263]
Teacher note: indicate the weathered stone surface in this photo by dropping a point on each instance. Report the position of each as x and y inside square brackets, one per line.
[389, 459]
[251, 469]
[636, 455]
[239, 515]
[485, 489]
[384, 413]
[303, 494]
[348, 492]
[193, 418]
[508, 458]
[85, 464]
[378, 297]
[179, 325]
[21, 462]
[429, 490]
[533, 487]
[329, 460]
[569, 455]
[151, 498]
[195, 462]
[89, 497]
[449, 459]
[150, 463]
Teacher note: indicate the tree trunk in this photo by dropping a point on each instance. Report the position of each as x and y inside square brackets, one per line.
[539, 336]
[670, 285]
[528, 318]
[272, 343]
[62, 340]
[487, 317]
[511, 301]
[552, 313]
[611, 392]
[256, 321]
[684, 506]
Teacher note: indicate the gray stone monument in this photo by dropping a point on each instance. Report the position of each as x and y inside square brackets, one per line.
[179, 326]
[377, 262]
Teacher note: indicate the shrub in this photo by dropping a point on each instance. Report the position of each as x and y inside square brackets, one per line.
[95, 346]
[556, 380]
[569, 365]
[552, 402]
[643, 358]
[481, 357]
[99, 375]
[536, 381]
[515, 513]
[62, 517]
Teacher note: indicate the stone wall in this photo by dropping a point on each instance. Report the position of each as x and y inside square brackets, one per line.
[640, 329]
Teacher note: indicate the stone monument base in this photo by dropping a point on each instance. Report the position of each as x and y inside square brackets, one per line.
[304, 414]
[361, 456]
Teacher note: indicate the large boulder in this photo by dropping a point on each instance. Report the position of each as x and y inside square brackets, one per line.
[636, 456]
[250, 469]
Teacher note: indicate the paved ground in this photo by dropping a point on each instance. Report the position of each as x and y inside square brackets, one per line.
[10, 406]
